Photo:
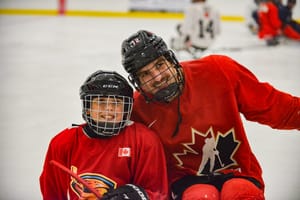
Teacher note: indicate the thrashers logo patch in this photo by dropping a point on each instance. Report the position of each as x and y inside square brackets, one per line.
[99, 182]
[210, 152]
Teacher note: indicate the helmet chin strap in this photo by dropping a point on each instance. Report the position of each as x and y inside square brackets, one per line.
[91, 134]
[105, 130]
[179, 118]
[167, 94]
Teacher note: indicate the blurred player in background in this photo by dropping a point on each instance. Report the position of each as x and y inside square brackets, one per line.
[198, 30]
[291, 28]
[251, 16]
[120, 159]
[269, 22]
[195, 107]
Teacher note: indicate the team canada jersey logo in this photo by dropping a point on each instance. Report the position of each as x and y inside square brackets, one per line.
[210, 152]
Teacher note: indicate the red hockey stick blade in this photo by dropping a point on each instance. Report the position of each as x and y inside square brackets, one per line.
[79, 179]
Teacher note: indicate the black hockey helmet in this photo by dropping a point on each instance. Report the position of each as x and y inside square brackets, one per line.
[106, 84]
[140, 49]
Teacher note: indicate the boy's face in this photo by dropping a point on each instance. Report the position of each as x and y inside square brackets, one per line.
[107, 109]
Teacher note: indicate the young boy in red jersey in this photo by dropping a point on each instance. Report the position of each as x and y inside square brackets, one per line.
[118, 158]
[195, 107]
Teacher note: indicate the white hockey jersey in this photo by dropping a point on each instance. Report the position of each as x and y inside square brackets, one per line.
[201, 23]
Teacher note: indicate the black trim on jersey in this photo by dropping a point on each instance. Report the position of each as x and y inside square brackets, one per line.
[217, 180]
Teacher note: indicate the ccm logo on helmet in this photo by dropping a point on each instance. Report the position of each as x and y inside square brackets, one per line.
[110, 86]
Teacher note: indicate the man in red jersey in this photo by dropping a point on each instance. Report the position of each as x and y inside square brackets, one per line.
[118, 158]
[194, 107]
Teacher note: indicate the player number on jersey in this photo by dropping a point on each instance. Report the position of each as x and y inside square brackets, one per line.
[206, 29]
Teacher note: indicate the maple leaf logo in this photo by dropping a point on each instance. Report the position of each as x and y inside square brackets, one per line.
[208, 152]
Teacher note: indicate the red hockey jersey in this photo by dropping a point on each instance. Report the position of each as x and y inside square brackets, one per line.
[134, 156]
[211, 136]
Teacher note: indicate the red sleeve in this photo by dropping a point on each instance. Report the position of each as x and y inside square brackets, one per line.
[53, 181]
[150, 167]
[259, 101]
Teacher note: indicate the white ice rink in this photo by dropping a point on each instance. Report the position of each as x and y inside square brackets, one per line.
[44, 60]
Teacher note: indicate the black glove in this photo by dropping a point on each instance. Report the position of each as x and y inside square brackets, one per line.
[126, 192]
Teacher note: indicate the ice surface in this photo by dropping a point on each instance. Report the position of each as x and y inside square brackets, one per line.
[44, 60]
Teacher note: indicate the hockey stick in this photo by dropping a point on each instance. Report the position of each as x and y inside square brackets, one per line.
[79, 179]
[198, 53]
[238, 48]
[220, 161]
